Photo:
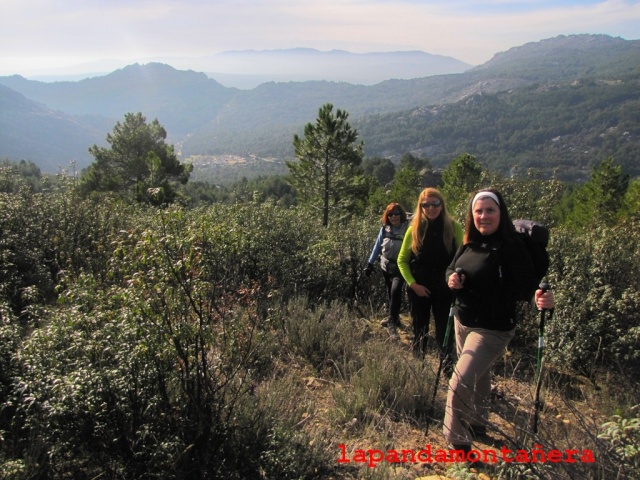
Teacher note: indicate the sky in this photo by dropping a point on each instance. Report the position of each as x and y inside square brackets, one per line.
[40, 37]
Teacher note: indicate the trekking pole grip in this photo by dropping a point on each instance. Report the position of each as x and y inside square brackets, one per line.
[545, 287]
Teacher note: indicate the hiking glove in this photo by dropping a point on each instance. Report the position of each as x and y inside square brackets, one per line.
[368, 270]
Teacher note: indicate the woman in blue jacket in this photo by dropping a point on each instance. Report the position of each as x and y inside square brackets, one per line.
[387, 246]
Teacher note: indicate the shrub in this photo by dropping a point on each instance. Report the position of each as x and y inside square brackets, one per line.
[10, 339]
[623, 436]
[46, 234]
[268, 434]
[26, 256]
[147, 373]
[327, 336]
[597, 298]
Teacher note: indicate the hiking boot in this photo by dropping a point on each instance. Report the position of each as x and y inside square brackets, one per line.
[477, 431]
[465, 448]
[393, 332]
[389, 321]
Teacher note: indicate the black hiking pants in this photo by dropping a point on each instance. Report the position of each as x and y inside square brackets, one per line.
[395, 287]
[438, 304]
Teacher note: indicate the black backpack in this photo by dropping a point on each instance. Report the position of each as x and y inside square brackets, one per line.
[535, 237]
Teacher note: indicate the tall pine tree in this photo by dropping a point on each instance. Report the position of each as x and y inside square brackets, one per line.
[327, 175]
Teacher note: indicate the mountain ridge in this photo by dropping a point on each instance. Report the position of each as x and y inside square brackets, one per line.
[205, 118]
[247, 69]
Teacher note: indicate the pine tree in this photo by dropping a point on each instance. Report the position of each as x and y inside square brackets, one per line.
[461, 177]
[328, 175]
[600, 198]
[139, 163]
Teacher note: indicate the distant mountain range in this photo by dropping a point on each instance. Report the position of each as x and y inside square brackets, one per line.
[52, 123]
[247, 69]
[250, 68]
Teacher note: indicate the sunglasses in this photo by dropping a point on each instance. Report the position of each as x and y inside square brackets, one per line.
[394, 213]
[426, 205]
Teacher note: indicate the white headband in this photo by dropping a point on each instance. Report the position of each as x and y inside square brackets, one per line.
[484, 194]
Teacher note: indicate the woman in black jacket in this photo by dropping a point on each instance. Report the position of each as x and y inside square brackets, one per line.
[496, 273]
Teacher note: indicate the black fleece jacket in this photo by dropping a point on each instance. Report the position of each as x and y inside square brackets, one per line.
[498, 273]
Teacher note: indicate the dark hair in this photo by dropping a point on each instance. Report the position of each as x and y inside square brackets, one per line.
[505, 228]
[390, 208]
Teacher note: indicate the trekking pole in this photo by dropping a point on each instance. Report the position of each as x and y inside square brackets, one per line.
[445, 343]
[538, 404]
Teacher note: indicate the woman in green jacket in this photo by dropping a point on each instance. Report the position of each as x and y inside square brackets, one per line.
[429, 245]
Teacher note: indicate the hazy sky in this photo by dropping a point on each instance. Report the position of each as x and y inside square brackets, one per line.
[38, 36]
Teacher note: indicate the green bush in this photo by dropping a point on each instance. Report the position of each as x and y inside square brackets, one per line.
[10, 438]
[379, 377]
[27, 264]
[594, 278]
[269, 434]
[145, 373]
[623, 436]
[46, 234]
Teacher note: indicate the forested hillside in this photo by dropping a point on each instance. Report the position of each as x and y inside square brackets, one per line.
[559, 129]
[32, 131]
[544, 103]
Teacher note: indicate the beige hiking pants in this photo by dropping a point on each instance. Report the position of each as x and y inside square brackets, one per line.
[469, 393]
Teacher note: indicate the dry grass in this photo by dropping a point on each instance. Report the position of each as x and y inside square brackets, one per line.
[378, 401]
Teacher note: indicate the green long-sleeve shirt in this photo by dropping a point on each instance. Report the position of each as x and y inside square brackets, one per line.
[404, 257]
